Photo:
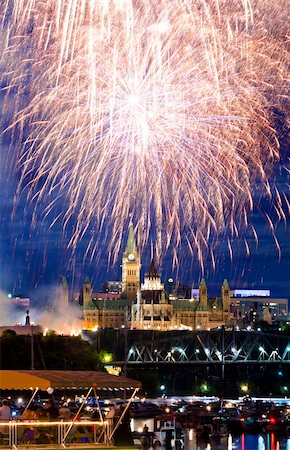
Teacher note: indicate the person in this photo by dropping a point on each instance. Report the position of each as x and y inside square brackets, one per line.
[4, 417]
[29, 413]
[145, 429]
[110, 417]
[5, 411]
[28, 436]
[123, 434]
[51, 410]
[145, 438]
[111, 413]
[64, 412]
[168, 439]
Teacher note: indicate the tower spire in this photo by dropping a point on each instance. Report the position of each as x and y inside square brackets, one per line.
[152, 270]
[131, 247]
[131, 266]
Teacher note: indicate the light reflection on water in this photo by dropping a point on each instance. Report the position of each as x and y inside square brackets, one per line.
[271, 441]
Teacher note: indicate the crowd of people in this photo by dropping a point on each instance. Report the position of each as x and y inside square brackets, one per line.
[51, 411]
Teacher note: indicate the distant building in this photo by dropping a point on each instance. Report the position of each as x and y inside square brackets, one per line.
[257, 306]
[152, 309]
[203, 312]
[250, 293]
[112, 287]
[168, 306]
[150, 305]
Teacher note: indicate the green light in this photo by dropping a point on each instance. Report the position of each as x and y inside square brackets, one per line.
[9, 295]
[106, 357]
[204, 387]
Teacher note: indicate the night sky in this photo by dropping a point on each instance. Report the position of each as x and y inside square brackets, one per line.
[32, 258]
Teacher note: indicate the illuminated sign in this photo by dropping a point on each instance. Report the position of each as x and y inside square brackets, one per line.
[251, 293]
[113, 370]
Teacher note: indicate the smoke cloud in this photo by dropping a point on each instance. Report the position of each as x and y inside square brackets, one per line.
[47, 310]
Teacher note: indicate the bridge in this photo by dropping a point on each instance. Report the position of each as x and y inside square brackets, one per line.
[215, 347]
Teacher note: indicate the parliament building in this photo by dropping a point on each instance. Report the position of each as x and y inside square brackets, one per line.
[147, 305]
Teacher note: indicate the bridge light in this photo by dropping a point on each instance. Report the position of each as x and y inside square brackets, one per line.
[261, 349]
[288, 348]
[162, 387]
[197, 350]
[233, 349]
[244, 387]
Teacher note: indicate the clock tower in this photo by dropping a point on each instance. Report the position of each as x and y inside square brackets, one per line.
[131, 267]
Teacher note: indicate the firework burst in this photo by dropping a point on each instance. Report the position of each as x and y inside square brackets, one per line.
[161, 110]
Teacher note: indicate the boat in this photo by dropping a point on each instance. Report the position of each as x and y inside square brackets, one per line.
[167, 432]
[144, 410]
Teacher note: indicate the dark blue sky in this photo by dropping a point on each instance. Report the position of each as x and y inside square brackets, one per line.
[33, 258]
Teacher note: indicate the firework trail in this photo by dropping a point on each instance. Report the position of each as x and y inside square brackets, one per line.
[162, 110]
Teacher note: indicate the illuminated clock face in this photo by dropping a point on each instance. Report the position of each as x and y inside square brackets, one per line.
[131, 257]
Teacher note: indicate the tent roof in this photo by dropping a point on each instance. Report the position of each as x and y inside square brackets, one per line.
[63, 379]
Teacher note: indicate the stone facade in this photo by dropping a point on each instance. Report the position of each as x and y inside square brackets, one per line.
[147, 305]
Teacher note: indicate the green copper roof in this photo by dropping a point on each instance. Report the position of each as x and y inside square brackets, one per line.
[130, 247]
